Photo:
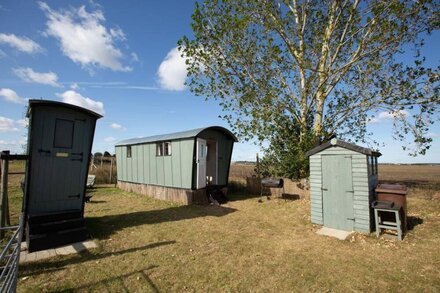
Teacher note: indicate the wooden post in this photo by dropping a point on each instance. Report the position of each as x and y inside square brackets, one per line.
[258, 166]
[111, 169]
[4, 192]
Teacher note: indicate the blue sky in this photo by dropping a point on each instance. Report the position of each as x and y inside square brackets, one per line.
[119, 58]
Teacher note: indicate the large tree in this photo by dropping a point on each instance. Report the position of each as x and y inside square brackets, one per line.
[292, 74]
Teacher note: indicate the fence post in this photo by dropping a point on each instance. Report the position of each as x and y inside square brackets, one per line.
[4, 191]
[111, 169]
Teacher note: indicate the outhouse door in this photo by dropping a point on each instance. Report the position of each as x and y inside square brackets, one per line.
[337, 192]
[59, 162]
[201, 163]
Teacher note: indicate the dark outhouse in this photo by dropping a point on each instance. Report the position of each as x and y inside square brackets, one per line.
[59, 145]
[343, 177]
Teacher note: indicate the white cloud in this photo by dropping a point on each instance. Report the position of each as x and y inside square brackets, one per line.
[134, 57]
[109, 139]
[11, 96]
[84, 38]
[74, 98]
[29, 75]
[117, 126]
[22, 44]
[385, 115]
[15, 146]
[172, 71]
[7, 125]
[74, 86]
[22, 122]
[433, 135]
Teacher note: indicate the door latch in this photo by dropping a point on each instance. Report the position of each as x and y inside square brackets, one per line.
[74, 196]
[324, 189]
[44, 151]
[351, 219]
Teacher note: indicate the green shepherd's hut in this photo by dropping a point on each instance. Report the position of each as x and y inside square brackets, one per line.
[177, 166]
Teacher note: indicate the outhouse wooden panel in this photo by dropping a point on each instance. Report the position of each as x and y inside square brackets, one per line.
[59, 145]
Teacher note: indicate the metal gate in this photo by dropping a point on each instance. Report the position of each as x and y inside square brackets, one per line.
[10, 257]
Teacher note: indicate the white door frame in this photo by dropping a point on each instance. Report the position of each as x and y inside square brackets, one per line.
[200, 183]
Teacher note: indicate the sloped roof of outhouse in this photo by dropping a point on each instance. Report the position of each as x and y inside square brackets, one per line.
[343, 144]
[176, 135]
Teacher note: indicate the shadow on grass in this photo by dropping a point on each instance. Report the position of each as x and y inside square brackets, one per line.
[38, 268]
[120, 279]
[412, 222]
[103, 227]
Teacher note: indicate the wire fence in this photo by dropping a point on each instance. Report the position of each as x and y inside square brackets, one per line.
[104, 168]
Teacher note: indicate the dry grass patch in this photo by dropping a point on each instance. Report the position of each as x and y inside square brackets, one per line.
[150, 245]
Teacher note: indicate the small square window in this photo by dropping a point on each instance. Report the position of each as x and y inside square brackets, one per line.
[129, 151]
[159, 149]
[167, 148]
[63, 137]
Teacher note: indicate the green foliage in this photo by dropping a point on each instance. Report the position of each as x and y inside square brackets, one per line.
[291, 74]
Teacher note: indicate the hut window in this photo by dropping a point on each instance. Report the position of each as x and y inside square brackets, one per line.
[129, 151]
[159, 149]
[63, 134]
[163, 149]
[372, 165]
[370, 172]
[167, 148]
[375, 165]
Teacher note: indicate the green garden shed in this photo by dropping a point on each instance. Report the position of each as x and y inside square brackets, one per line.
[343, 177]
[178, 166]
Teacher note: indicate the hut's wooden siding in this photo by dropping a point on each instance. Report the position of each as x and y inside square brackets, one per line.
[147, 168]
[363, 187]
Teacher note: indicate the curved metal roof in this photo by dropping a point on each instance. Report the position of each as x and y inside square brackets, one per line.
[35, 102]
[176, 135]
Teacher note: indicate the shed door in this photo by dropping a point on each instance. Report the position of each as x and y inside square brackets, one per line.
[59, 163]
[337, 192]
[201, 163]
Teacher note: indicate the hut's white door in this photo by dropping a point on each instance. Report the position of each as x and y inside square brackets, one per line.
[201, 163]
[58, 164]
[337, 192]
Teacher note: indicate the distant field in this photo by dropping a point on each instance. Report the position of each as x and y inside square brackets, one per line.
[410, 174]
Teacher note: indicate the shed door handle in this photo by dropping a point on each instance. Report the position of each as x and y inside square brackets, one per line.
[74, 196]
[325, 189]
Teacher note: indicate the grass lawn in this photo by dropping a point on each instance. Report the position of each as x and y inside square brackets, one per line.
[147, 245]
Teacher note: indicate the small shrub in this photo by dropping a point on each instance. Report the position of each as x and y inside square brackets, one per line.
[236, 186]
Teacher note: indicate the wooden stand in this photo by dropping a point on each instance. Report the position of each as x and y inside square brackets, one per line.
[390, 225]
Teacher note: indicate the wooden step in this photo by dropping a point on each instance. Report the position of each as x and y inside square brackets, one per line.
[53, 226]
[37, 242]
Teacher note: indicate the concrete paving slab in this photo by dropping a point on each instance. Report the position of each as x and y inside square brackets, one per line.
[25, 256]
[339, 234]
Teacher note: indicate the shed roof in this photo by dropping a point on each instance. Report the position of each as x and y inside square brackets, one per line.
[36, 102]
[176, 135]
[343, 144]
